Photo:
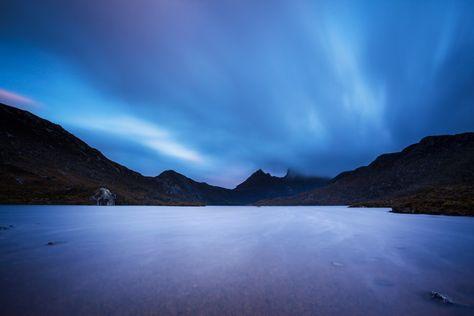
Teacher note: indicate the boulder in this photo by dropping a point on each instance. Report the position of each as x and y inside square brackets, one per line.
[103, 196]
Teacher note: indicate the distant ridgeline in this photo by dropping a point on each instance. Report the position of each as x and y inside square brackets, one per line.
[41, 163]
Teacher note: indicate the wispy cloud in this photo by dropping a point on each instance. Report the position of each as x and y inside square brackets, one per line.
[174, 149]
[16, 99]
[141, 132]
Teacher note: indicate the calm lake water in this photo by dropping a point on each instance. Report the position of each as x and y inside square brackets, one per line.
[232, 260]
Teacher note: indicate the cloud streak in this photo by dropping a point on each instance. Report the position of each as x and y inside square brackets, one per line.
[13, 98]
[128, 128]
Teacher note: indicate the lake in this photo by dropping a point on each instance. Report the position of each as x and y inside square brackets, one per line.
[135, 260]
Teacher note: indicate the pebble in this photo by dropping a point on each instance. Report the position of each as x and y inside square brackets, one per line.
[440, 298]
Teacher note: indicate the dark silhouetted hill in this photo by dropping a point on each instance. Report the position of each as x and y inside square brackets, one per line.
[41, 163]
[435, 175]
[261, 185]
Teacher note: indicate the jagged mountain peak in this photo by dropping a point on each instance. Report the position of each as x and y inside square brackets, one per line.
[255, 178]
[260, 173]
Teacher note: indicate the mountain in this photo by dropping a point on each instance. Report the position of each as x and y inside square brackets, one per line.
[258, 186]
[261, 185]
[435, 175]
[175, 184]
[41, 163]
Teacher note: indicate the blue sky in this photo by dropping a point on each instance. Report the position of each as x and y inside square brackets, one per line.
[217, 89]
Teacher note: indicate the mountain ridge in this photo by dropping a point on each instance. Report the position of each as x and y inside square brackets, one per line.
[42, 163]
[261, 183]
[407, 181]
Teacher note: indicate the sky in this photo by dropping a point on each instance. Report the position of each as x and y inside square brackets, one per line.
[217, 89]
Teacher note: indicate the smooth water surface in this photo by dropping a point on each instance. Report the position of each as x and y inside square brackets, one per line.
[232, 260]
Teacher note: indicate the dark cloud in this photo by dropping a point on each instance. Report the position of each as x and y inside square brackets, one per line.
[315, 86]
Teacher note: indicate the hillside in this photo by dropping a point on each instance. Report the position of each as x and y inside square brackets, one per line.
[432, 176]
[42, 163]
[175, 184]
